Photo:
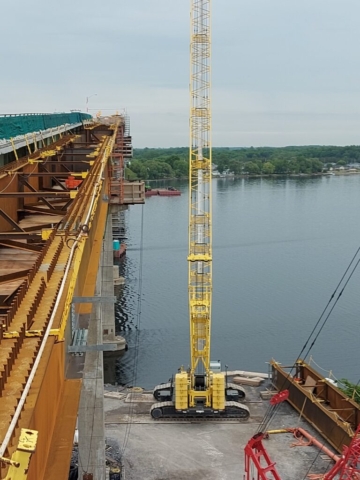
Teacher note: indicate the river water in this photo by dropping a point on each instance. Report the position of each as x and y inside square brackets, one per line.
[280, 247]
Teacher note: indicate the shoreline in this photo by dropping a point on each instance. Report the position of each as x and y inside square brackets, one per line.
[272, 175]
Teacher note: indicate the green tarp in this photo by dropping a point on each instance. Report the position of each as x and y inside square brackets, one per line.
[12, 126]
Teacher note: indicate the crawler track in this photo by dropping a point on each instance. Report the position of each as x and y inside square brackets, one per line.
[166, 411]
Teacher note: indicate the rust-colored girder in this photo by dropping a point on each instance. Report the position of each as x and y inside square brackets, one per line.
[42, 305]
[49, 194]
[11, 221]
[322, 404]
[20, 235]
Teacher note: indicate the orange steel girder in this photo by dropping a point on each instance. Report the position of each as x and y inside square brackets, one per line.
[50, 406]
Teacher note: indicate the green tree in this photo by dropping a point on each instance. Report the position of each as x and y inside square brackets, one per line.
[130, 175]
[281, 165]
[158, 170]
[139, 168]
[307, 159]
[181, 168]
[221, 165]
[350, 389]
[316, 165]
[268, 168]
[235, 167]
[252, 168]
[172, 160]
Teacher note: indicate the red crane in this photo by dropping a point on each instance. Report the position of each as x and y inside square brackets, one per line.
[256, 457]
[348, 467]
[256, 454]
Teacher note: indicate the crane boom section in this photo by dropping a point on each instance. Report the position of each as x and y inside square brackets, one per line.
[200, 244]
[202, 390]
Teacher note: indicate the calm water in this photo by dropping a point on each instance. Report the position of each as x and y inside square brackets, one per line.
[280, 248]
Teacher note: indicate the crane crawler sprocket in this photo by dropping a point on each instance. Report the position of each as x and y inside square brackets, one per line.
[240, 390]
[163, 392]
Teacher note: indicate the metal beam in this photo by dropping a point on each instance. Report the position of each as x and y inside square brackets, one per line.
[92, 348]
[21, 246]
[94, 299]
[11, 221]
[30, 208]
[33, 189]
[34, 194]
[42, 174]
[66, 162]
[89, 150]
[20, 235]
[34, 228]
[13, 276]
[55, 175]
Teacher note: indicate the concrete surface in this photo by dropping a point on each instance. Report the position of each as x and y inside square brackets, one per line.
[107, 288]
[164, 450]
[107, 283]
[91, 408]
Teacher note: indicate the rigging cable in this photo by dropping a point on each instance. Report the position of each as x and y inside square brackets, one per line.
[271, 411]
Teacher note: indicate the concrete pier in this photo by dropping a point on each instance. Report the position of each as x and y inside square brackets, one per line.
[101, 330]
[107, 288]
[91, 410]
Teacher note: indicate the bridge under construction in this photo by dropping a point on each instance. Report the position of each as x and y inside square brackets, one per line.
[61, 179]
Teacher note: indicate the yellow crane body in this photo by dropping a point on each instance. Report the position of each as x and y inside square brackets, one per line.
[199, 391]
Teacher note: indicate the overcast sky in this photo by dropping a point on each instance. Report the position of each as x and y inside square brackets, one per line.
[285, 72]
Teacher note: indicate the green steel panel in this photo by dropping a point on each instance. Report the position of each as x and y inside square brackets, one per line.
[14, 125]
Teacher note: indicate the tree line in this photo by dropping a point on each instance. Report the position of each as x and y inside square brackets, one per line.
[162, 163]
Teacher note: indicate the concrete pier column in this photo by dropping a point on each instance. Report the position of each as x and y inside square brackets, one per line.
[107, 288]
[91, 410]
[101, 330]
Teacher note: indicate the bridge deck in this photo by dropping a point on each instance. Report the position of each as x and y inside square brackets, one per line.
[35, 307]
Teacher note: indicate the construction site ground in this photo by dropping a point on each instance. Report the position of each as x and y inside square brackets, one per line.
[212, 450]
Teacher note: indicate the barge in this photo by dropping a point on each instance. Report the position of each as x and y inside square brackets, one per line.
[163, 192]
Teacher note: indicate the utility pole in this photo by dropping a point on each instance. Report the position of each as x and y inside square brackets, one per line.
[87, 101]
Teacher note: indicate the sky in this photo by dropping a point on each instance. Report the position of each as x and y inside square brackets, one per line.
[284, 72]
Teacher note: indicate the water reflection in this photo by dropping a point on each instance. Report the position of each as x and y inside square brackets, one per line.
[280, 247]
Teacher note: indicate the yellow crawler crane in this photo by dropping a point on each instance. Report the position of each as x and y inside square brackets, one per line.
[201, 391]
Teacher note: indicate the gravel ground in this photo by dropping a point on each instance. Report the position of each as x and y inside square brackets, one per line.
[202, 450]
